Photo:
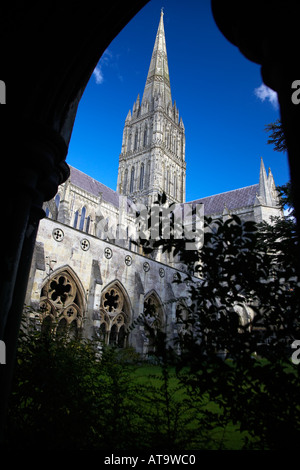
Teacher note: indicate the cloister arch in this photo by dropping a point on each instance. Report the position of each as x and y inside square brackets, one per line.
[62, 301]
[115, 315]
[154, 319]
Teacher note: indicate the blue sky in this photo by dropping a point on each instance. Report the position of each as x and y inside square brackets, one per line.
[218, 92]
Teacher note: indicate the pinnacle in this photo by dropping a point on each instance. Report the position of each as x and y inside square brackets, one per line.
[158, 80]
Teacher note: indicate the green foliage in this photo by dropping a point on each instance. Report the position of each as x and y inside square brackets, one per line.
[245, 308]
[172, 419]
[257, 385]
[277, 137]
[286, 198]
[64, 398]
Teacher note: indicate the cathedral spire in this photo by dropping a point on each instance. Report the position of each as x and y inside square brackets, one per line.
[152, 159]
[158, 80]
[264, 190]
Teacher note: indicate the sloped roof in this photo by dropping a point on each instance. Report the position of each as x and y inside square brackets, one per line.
[235, 199]
[232, 200]
[86, 182]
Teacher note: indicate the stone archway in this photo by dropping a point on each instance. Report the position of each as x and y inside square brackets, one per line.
[62, 301]
[153, 320]
[115, 315]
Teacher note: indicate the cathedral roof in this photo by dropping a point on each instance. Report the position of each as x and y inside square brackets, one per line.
[89, 184]
[231, 200]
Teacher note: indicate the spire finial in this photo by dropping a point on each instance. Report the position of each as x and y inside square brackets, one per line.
[162, 10]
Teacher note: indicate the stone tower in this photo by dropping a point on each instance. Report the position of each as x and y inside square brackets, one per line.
[152, 158]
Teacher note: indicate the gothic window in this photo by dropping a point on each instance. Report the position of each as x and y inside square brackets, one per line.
[167, 181]
[57, 200]
[88, 222]
[114, 316]
[167, 139]
[82, 218]
[75, 219]
[129, 143]
[125, 182]
[148, 174]
[113, 334]
[154, 323]
[142, 176]
[61, 302]
[163, 175]
[183, 323]
[145, 136]
[175, 185]
[136, 140]
[132, 180]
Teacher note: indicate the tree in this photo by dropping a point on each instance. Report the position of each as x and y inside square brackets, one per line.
[244, 270]
[277, 138]
[239, 328]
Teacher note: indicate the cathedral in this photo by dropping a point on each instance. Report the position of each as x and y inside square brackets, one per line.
[88, 272]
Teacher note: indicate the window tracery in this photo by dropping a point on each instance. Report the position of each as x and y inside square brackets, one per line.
[61, 302]
[114, 317]
[154, 320]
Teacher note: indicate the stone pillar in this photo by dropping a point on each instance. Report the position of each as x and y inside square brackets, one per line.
[36, 180]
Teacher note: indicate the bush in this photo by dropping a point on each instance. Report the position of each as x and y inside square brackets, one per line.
[64, 398]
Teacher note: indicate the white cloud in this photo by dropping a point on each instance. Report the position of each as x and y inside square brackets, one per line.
[265, 93]
[98, 74]
[103, 62]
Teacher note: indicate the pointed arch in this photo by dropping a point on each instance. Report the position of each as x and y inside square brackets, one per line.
[115, 314]
[57, 201]
[75, 219]
[129, 142]
[142, 171]
[82, 218]
[125, 182]
[62, 299]
[145, 140]
[155, 300]
[131, 189]
[136, 137]
[154, 317]
[88, 222]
